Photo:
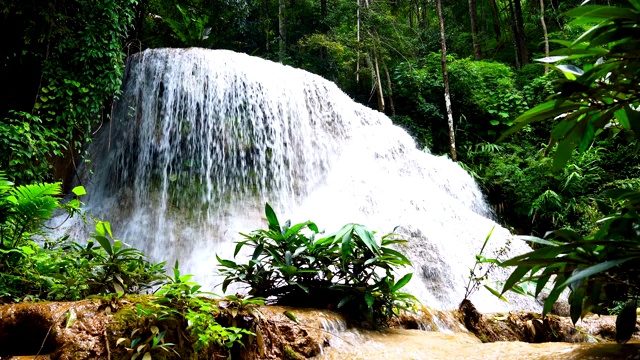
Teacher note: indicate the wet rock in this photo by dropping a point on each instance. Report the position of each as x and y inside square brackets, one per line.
[69, 330]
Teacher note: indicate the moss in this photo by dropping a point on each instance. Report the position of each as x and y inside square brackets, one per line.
[291, 354]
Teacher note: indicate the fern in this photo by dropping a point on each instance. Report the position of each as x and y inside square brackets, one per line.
[24, 209]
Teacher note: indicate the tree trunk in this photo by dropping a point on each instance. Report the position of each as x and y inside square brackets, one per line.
[496, 19]
[445, 77]
[265, 20]
[473, 14]
[358, 43]
[391, 104]
[524, 54]
[546, 35]
[516, 38]
[282, 29]
[424, 23]
[378, 80]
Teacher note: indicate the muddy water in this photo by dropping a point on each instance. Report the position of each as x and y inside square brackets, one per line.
[417, 344]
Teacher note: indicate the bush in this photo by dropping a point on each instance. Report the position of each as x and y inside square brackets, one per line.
[484, 99]
[61, 269]
[351, 270]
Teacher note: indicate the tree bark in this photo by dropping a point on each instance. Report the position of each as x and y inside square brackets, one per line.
[282, 29]
[445, 77]
[546, 35]
[496, 20]
[358, 43]
[516, 38]
[378, 80]
[473, 14]
[524, 54]
[389, 88]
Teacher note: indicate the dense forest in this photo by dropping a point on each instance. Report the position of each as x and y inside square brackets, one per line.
[63, 61]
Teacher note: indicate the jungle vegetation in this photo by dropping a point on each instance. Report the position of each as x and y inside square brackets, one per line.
[62, 64]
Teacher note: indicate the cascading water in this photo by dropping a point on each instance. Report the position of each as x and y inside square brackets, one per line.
[201, 139]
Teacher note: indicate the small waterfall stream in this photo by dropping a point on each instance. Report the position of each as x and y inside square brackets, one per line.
[201, 139]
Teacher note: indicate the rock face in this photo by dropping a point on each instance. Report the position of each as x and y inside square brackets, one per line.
[78, 330]
[65, 330]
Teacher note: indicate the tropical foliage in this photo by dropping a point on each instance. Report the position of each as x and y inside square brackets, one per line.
[601, 268]
[351, 270]
[61, 269]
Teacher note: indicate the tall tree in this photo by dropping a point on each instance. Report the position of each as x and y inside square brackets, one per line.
[473, 14]
[496, 19]
[282, 30]
[546, 35]
[524, 54]
[445, 77]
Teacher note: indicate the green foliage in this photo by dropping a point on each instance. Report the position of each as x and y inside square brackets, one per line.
[28, 145]
[601, 96]
[146, 340]
[533, 198]
[351, 270]
[479, 275]
[201, 315]
[191, 29]
[61, 270]
[601, 268]
[484, 98]
[72, 60]
[598, 269]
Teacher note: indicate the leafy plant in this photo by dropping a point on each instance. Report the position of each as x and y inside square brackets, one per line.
[190, 30]
[598, 269]
[601, 268]
[351, 270]
[62, 269]
[146, 340]
[200, 314]
[478, 275]
[28, 144]
[603, 94]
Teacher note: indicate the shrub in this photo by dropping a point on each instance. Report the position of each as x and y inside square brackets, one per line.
[351, 270]
[62, 269]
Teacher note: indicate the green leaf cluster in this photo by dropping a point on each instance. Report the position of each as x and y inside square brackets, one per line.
[599, 269]
[352, 270]
[601, 96]
[61, 269]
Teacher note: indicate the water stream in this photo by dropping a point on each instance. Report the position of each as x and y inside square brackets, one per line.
[201, 139]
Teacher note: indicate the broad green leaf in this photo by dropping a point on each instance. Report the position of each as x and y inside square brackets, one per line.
[496, 293]
[563, 153]
[271, 218]
[544, 111]
[27, 250]
[402, 282]
[367, 237]
[584, 273]
[344, 300]
[543, 279]
[571, 72]
[105, 243]
[79, 191]
[369, 299]
[515, 277]
[587, 13]
[552, 298]
[345, 247]
[226, 263]
[576, 305]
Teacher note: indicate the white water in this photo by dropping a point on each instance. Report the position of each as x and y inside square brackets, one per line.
[201, 139]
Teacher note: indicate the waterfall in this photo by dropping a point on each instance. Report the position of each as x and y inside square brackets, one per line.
[201, 139]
